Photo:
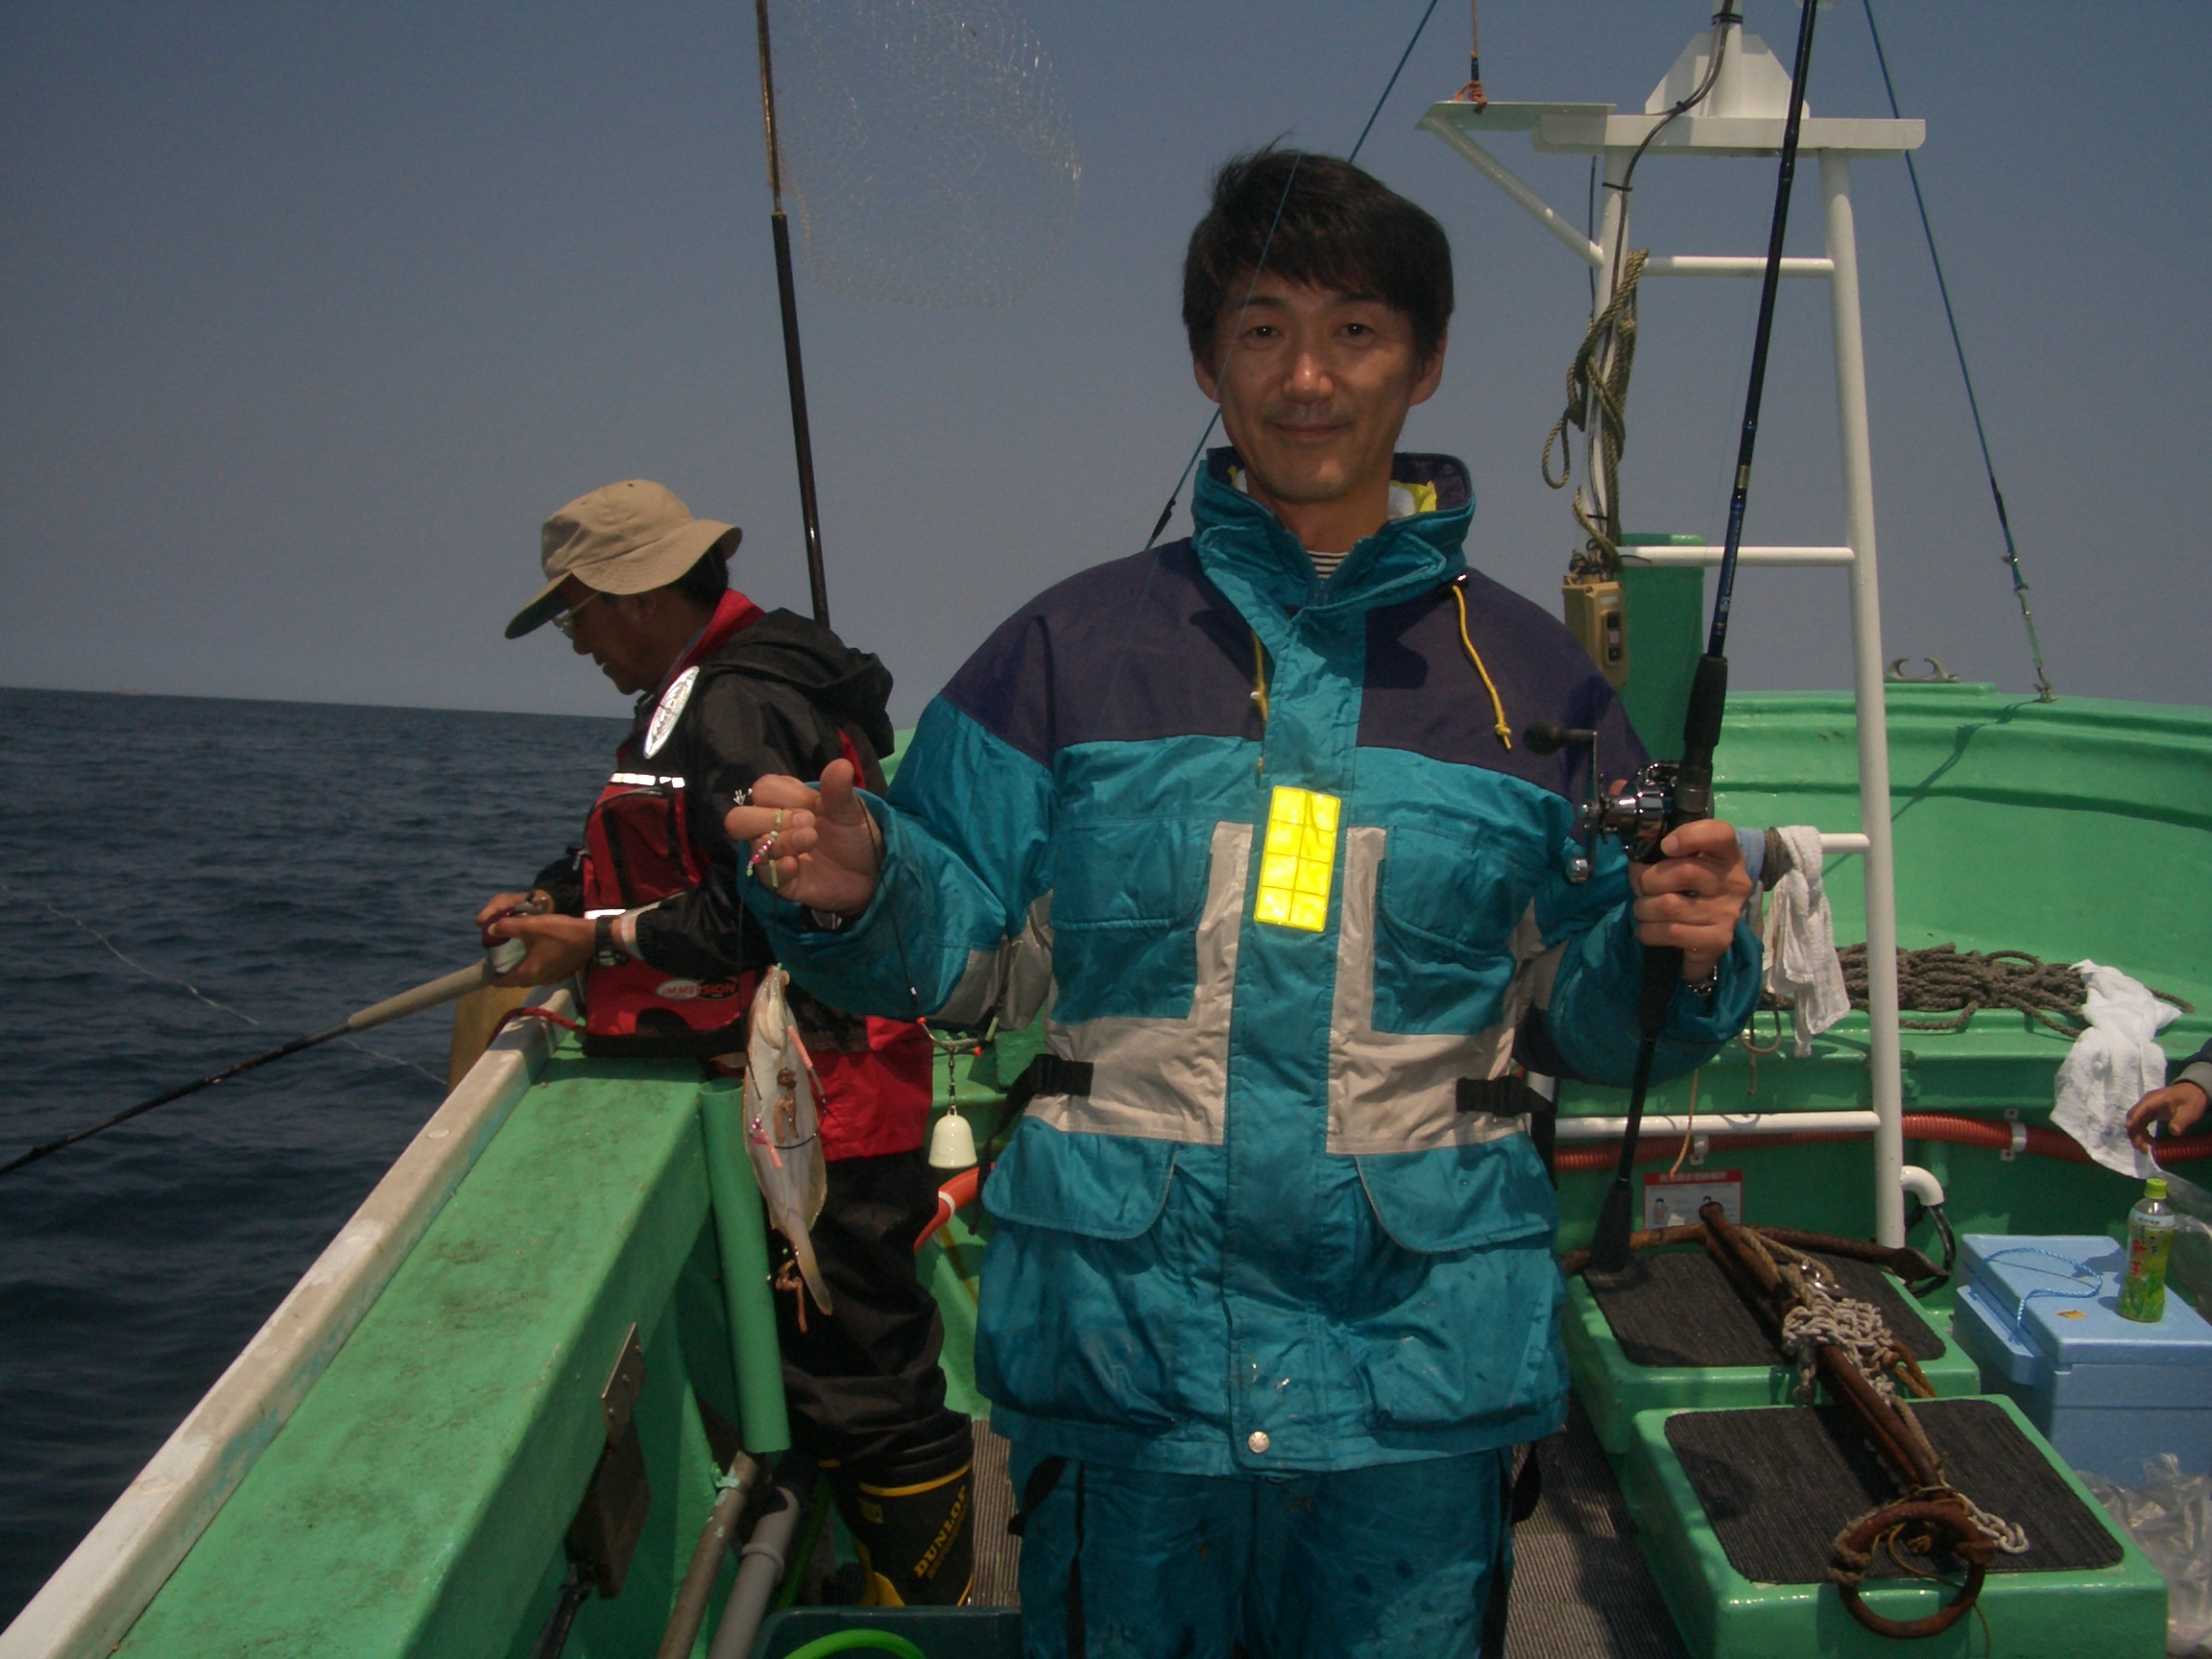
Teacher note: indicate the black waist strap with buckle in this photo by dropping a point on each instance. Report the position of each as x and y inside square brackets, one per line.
[1048, 1075]
[1509, 1096]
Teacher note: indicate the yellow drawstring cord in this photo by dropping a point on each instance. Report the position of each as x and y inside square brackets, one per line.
[1497, 703]
[1259, 696]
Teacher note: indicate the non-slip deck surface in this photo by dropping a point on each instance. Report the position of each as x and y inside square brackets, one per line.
[997, 1552]
[1580, 1585]
[1779, 1483]
[1679, 1308]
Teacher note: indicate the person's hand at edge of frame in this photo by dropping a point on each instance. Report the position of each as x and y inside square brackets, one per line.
[1693, 897]
[816, 847]
[2177, 1106]
[559, 947]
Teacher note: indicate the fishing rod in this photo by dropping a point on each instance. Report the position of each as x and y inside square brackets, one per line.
[1667, 795]
[443, 989]
[787, 300]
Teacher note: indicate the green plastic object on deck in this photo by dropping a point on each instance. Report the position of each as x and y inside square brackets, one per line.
[2116, 1611]
[1665, 607]
[1614, 1389]
[741, 1232]
[2151, 1229]
[876, 1640]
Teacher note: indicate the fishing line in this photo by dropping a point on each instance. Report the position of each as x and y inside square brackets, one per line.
[132, 962]
[2044, 693]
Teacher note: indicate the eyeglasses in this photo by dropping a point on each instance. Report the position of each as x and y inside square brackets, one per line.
[565, 621]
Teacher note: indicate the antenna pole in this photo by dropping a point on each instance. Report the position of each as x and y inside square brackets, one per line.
[787, 300]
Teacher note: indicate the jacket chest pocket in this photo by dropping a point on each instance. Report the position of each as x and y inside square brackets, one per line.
[1126, 898]
[1445, 910]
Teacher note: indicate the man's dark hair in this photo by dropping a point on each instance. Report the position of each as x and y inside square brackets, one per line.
[707, 581]
[1339, 228]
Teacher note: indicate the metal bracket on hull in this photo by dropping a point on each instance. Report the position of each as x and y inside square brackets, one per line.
[604, 1535]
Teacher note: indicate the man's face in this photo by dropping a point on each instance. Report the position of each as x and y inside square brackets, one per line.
[1315, 387]
[609, 631]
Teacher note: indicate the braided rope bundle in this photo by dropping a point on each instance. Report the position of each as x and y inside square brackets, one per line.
[1944, 979]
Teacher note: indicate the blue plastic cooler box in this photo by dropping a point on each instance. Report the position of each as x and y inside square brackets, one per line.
[2041, 1318]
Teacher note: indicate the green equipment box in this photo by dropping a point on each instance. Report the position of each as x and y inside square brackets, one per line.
[1736, 1511]
[1668, 1331]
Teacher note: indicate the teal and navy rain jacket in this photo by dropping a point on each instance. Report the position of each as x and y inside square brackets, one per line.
[1269, 1237]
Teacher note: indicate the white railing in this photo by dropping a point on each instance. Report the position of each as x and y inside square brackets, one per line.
[1594, 129]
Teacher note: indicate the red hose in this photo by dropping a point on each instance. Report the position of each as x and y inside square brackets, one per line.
[1940, 1126]
[954, 1195]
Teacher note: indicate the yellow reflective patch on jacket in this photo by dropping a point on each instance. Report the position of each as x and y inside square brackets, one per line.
[1297, 858]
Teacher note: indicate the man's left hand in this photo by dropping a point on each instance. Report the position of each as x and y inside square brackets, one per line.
[1692, 897]
[560, 947]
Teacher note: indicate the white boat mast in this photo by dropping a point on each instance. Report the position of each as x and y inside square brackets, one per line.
[1742, 115]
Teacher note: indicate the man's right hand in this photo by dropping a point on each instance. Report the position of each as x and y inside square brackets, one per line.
[536, 902]
[2177, 1105]
[817, 847]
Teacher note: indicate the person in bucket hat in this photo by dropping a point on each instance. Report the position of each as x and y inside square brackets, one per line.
[647, 911]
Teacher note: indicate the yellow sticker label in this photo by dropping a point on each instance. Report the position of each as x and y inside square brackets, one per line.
[1296, 861]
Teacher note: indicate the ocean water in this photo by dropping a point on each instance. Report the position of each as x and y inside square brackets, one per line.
[289, 863]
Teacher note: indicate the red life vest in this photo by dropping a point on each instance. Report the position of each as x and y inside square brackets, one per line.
[638, 851]
[638, 848]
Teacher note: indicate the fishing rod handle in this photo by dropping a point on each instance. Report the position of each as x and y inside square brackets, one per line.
[1701, 738]
[1662, 978]
[458, 983]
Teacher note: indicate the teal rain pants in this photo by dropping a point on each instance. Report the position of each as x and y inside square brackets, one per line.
[1397, 1560]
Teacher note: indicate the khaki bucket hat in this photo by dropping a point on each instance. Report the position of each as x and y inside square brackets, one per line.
[626, 538]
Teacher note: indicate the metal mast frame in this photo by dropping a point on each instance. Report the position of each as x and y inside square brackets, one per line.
[1594, 130]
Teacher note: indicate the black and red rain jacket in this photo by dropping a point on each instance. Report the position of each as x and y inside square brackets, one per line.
[772, 692]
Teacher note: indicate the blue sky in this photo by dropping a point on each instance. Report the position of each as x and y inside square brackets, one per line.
[311, 314]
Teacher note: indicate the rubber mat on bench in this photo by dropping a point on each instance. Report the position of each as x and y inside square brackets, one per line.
[1677, 1308]
[1778, 1483]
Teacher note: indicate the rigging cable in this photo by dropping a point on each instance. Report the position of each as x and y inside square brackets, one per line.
[1198, 449]
[2043, 691]
[1175, 496]
[1598, 380]
[1472, 92]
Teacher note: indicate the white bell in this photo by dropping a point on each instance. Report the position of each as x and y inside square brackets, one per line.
[951, 1143]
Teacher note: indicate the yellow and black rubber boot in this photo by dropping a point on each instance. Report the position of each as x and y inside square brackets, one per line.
[913, 1523]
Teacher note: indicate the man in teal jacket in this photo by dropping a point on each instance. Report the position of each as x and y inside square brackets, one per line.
[1271, 1294]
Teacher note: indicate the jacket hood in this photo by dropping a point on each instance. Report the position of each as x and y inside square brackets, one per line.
[852, 687]
[1412, 554]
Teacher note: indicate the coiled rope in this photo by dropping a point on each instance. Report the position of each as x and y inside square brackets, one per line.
[1943, 978]
[1599, 376]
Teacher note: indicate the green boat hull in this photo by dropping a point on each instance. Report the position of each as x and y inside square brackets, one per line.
[417, 1502]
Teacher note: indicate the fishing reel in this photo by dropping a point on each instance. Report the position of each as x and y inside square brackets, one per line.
[1638, 813]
